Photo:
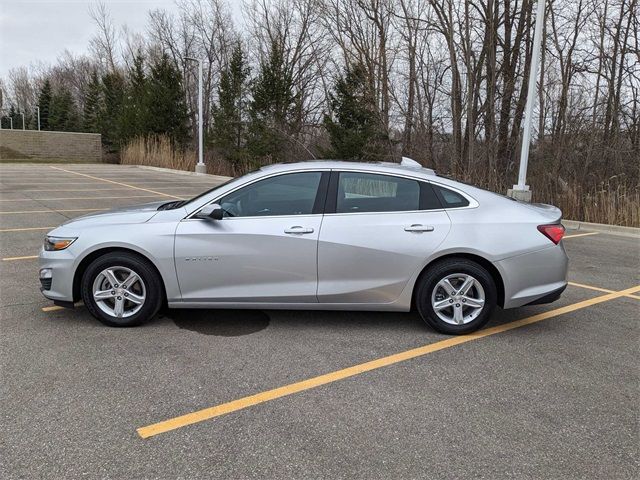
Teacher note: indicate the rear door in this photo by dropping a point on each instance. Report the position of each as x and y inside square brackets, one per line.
[377, 231]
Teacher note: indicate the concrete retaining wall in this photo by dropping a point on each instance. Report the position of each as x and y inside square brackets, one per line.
[41, 145]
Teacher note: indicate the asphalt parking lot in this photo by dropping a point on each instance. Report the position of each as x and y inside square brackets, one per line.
[547, 391]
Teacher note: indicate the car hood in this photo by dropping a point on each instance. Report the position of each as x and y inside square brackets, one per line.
[122, 215]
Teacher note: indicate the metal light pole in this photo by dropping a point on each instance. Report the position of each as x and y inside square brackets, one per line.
[521, 191]
[11, 122]
[200, 166]
[22, 121]
[38, 108]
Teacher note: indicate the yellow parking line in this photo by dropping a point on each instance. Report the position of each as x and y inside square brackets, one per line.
[73, 189]
[118, 183]
[245, 402]
[599, 289]
[53, 308]
[25, 229]
[74, 198]
[10, 259]
[580, 235]
[56, 210]
[169, 187]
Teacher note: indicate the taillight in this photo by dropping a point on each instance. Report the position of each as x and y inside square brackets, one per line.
[553, 232]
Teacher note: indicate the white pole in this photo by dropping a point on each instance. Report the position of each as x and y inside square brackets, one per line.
[201, 166]
[38, 117]
[531, 96]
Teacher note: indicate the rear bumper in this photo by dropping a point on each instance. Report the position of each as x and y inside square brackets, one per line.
[549, 297]
[536, 277]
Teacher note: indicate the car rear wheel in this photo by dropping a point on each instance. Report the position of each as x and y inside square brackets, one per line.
[456, 296]
[121, 289]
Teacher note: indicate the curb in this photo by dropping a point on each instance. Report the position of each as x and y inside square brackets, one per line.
[183, 172]
[603, 228]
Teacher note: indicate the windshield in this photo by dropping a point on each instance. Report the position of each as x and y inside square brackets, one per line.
[181, 203]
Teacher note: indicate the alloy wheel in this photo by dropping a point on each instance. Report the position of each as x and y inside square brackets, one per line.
[458, 299]
[119, 292]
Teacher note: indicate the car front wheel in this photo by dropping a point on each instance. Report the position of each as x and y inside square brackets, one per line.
[456, 296]
[121, 289]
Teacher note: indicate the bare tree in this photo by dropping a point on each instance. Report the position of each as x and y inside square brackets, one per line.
[103, 44]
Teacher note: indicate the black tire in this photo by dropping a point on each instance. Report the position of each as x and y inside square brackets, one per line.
[439, 271]
[143, 268]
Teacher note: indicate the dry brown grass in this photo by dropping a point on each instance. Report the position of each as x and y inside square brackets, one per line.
[611, 202]
[157, 151]
[607, 203]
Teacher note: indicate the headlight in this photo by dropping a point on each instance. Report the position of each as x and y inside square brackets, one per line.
[57, 243]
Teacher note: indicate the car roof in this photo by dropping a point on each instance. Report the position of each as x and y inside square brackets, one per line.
[381, 167]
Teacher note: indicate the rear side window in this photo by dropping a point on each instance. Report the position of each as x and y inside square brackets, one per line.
[369, 192]
[449, 198]
[366, 192]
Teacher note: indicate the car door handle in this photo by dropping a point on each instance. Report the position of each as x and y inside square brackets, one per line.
[416, 227]
[298, 230]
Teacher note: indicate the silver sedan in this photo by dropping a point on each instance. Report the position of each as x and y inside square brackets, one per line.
[324, 235]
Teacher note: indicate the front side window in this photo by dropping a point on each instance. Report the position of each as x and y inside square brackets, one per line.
[288, 194]
[367, 192]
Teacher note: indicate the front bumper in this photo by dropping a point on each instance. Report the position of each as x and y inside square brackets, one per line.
[531, 277]
[61, 265]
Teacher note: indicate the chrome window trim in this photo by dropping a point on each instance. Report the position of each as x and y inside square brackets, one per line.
[473, 203]
[392, 212]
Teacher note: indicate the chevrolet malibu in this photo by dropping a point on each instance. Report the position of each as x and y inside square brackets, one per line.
[325, 235]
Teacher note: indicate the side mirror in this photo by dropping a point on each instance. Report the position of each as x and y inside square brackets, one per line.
[212, 211]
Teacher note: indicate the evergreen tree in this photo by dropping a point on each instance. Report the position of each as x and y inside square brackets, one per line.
[63, 114]
[32, 124]
[44, 102]
[111, 110]
[353, 129]
[229, 116]
[167, 110]
[16, 119]
[273, 107]
[91, 112]
[135, 119]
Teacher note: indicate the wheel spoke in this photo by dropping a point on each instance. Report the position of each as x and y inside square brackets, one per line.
[442, 304]
[458, 317]
[102, 295]
[131, 279]
[118, 309]
[446, 284]
[468, 283]
[474, 302]
[110, 276]
[135, 298]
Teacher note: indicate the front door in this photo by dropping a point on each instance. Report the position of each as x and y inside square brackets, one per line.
[263, 250]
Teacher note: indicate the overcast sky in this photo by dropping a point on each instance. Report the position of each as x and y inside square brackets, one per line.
[40, 30]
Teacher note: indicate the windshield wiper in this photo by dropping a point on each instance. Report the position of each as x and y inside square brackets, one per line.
[172, 205]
